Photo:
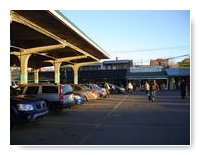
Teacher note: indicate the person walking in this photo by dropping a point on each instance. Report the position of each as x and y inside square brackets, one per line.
[153, 89]
[107, 87]
[130, 87]
[147, 88]
[183, 88]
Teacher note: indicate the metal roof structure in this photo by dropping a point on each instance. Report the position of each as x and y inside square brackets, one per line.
[178, 71]
[49, 37]
[147, 75]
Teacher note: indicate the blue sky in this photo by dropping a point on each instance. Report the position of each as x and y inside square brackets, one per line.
[133, 34]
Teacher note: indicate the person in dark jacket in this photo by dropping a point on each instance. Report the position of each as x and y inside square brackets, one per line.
[183, 88]
[153, 88]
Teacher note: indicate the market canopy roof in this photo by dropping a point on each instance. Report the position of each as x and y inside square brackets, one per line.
[49, 36]
[178, 71]
[147, 75]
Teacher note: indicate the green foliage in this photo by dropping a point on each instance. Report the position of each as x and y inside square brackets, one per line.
[184, 64]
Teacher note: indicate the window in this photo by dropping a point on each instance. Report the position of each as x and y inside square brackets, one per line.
[49, 89]
[76, 88]
[32, 90]
[21, 90]
[67, 89]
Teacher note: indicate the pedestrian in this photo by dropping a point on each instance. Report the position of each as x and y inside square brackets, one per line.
[147, 88]
[187, 89]
[153, 89]
[130, 87]
[183, 88]
[107, 87]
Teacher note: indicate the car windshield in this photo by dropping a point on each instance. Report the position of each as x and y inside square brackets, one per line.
[76, 88]
[84, 87]
[67, 89]
[96, 86]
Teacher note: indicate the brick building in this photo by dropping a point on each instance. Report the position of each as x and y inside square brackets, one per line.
[159, 62]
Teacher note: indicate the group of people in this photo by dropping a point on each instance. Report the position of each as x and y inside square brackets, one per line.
[151, 89]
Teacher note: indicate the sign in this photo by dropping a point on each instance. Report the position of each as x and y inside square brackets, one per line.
[146, 69]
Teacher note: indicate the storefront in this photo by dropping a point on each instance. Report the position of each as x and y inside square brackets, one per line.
[175, 76]
[139, 75]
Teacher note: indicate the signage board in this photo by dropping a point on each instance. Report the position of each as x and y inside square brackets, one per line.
[135, 69]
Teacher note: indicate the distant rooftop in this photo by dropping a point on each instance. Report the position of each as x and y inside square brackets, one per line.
[116, 61]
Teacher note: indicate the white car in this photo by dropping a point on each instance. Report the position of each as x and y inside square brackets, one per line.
[88, 93]
[56, 95]
[101, 91]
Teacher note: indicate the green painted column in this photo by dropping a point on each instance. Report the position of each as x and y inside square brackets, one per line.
[57, 72]
[23, 66]
[57, 78]
[75, 69]
[36, 75]
[75, 80]
[23, 78]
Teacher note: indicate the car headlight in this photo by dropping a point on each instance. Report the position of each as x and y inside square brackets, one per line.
[25, 107]
[77, 97]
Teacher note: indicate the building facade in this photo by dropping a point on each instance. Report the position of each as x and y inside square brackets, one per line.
[120, 72]
[159, 62]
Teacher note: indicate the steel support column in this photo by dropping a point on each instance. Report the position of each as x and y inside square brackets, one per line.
[75, 69]
[24, 66]
[57, 72]
[36, 75]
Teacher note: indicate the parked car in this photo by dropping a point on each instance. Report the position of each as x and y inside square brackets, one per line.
[14, 84]
[79, 99]
[88, 93]
[101, 91]
[116, 89]
[24, 109]
[56, 95]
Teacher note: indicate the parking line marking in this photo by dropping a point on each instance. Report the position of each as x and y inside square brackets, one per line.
[98, 125]
[119, 103]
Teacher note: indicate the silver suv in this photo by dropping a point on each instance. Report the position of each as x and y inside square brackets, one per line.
[56, 95]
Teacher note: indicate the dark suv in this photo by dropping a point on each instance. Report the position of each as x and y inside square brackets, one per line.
[25, 109]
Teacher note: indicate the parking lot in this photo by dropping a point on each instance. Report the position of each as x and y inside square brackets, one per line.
[122, 119]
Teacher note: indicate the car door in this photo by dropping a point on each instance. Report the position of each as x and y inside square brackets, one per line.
[49, 93]
[68, 96]
[31, 91]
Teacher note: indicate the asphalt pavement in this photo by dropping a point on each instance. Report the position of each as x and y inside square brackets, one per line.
[122, 119]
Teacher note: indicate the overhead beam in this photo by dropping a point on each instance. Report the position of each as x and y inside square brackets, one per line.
[83, 63]
[66, 59]
[36, 50]
[52, 47]
[63, 43]
[86, 63]
[80, 50]
[20, 19]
